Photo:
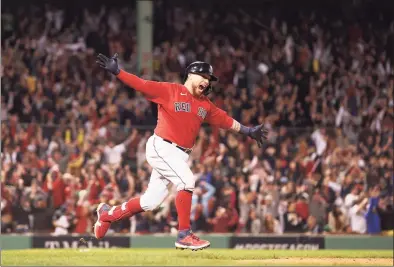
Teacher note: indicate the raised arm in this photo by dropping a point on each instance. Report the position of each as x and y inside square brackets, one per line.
[158, 92]
[219, 117]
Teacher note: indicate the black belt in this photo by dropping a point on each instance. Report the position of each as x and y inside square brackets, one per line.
[186, 150]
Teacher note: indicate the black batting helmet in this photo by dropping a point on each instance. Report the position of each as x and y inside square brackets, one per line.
[199, 67]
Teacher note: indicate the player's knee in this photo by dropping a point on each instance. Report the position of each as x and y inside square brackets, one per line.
[149, 202]
[186, 185]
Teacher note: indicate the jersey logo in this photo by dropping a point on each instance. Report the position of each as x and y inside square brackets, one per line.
[202, 112]
[182, 107]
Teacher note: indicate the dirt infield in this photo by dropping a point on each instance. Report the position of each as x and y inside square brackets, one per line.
[322, 261]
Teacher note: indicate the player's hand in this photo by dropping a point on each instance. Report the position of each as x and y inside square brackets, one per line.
[21, 183]
[259, 133]
[375, 192]
[109, 64]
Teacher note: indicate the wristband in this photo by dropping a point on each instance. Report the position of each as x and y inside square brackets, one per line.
[245, 130]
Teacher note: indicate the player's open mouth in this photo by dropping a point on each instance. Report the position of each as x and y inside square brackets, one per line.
[202, 87]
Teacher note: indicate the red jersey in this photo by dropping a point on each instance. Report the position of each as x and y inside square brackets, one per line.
[180, 114]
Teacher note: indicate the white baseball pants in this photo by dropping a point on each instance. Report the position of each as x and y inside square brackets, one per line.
[169, 165]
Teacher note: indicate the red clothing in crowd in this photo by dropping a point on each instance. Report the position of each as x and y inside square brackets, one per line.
[302, 209]
[225, 222]
[95, 189]
[83, 220]
[59, 194]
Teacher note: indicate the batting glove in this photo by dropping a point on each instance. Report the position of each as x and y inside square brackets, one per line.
[109, 64]
[258, 133]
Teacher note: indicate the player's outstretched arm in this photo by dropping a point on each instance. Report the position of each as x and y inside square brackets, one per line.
[219, 117]
[154, 91]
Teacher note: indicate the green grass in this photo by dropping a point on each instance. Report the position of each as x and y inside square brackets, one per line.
[117, 257]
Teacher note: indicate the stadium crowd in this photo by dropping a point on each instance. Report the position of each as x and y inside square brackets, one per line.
[73, 136]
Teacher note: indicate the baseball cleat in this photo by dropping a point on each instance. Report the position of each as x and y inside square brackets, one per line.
[188, 240]
[101, 227]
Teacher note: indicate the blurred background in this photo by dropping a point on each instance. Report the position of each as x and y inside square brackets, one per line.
[318, 73]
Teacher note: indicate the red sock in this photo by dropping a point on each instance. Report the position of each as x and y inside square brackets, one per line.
[132, 207]
[183, 203]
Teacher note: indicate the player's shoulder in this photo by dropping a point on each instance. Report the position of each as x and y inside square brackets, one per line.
[207, 103]
[176, 87]
[179, 86]
[207, 100]
[171, 88]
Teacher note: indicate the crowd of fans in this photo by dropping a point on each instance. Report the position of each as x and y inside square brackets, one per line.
[73, 136]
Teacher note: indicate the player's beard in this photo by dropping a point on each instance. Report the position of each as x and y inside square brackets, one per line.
[199, 89]
[196, 90]
[198, 85]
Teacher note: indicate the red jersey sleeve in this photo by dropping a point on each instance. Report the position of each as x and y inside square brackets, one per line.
[158, 92]
[219, 117]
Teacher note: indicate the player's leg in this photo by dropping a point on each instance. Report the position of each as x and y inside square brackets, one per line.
[171, 163]
[155, 194]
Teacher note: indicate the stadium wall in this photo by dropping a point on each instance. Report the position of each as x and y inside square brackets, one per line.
[15, 242]
[359, 242]
[265, 242]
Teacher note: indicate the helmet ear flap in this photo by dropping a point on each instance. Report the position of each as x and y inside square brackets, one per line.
[187, 75]
[208, 90]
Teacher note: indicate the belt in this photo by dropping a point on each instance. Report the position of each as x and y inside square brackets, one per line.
[186, 150]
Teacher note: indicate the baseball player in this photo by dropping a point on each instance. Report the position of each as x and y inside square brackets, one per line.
[181, 111]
